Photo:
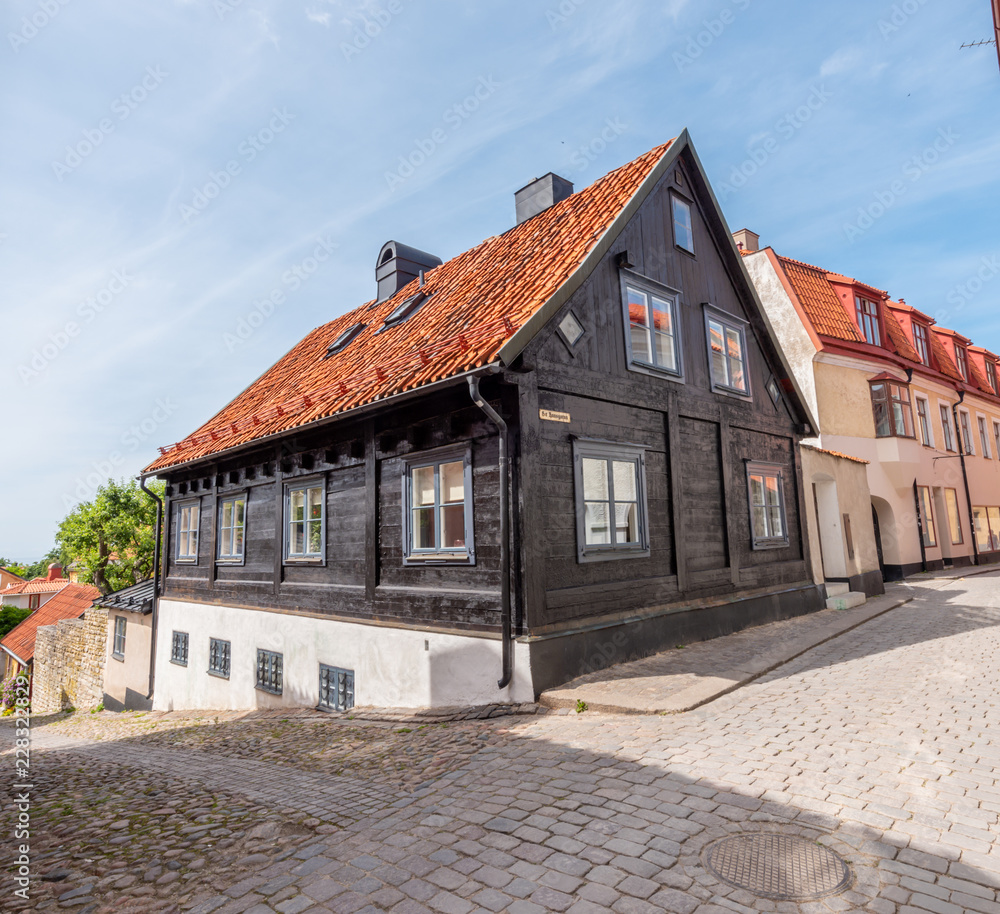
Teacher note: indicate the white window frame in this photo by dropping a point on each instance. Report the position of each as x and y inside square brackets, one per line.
[231, 557]
[924, 421]
[439, 554]
[610, 452]
[676, 200]
[767, 539]
[996, 436]
[866, 319]
[922, 342]
[186, 528]
[965, 432]
[962, 361]
[306, 557]
[984, 435]
[630, 280]
[947, 427]
[954, 522]
[729, 324]
[925, 504]
[121, 631]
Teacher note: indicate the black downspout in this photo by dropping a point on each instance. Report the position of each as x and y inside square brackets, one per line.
[921, 521]
[505, 614]
[156, 583]
[965, 476]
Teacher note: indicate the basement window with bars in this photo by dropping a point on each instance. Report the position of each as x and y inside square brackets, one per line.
[179, 648]
[766, 489]
[336, 688]
[218, 657]
[269, 671]
[118, 651]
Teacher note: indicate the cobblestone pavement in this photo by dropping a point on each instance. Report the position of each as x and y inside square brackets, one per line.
[881, 745]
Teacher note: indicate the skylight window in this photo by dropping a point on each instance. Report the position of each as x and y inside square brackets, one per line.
[344, 340]
[404, 310]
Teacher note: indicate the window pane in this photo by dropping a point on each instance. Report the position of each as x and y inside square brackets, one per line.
[240, 511]
[662, 316]
[315, 537]
[683, 235]
[777, 525]
[773, 490]
[315, 496]
[759, 516]
[720, 373]
[638, 315]
[666, 352]
[453, 526]
[595, 479]
[734, 350]
[595, 524]
[297, 538]
[982, 529]
[626, 523]
[226, 544]
[238, 541]
[994, 518]
[452, 482]
[423, 528]
[625, 480]
[227, 514]
[757, 490]
[297, 503]
[423, 486]
[954, 518]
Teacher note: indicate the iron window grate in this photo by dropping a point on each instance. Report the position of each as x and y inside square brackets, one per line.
[336, 688]
[218, 657]
[179, 648]
[269, 673]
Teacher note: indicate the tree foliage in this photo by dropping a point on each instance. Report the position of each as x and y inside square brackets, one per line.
[112, 537]
[11, 616]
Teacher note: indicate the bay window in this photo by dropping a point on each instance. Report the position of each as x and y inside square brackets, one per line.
[892, 409]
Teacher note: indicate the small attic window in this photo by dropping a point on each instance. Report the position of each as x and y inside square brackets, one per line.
[344, 340]
[404, 310]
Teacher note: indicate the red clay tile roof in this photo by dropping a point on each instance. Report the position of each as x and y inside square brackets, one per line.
[897, 336]
[942, 358]
[38, 585]
[820, 302]
[69, 604]
[823, 450]
[478, 300]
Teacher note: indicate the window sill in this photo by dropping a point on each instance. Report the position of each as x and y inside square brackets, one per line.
[185, 561]
[612, 554]
[770, 544]
[223, 561]
[261, 688]
[119, 657]
[732, 392]
[178, 662]
[217, 674]
[654, 372]
[318, 560]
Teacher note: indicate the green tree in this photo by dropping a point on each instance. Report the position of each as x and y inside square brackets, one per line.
[11, 616]
[112, 536]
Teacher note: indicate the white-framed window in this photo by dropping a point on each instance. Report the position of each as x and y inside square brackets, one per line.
[437, 512]
[892, 410]
[651, 324]
[921, 342]
[118, 651]
[962, 361]
[991, 375]
[925, 503]
[987, 523]
[179, 648]
[610, 491]
[269, 671]
[727, 347]
[984, 437]
[946, 428]
[219, 653]
[232, 527]
[336, 688]
[954, 517]
[187, 531]
[305, 521]
[868, 322]
[996, 437]
[924, 421]
[966, 425]
[680, 211]
[766, 492]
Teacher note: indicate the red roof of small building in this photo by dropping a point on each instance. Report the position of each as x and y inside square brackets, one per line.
[477, 302]
[37, 585]
[820, 302]
[70, 603]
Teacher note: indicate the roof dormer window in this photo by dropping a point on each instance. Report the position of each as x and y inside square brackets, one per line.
[962, 360]
[991, 376]
[921, 342]
[344, 340]
[403, 311]
[868, 320]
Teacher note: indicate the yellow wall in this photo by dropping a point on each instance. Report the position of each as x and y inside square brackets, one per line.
[845, 402]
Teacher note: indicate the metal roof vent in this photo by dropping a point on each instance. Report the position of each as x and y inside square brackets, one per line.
[399, 264]
[540, 194]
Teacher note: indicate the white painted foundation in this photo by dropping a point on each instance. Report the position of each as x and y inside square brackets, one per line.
[393, 667]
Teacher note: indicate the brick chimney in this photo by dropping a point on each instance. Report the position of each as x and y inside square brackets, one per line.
[55, 572]
[746, 240]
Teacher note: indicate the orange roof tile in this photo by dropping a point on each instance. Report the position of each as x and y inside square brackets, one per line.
[897, 336]
[71, 603]
[940, 355]
[820, 302]
[823, 450]
[478, 301]
[38, 585]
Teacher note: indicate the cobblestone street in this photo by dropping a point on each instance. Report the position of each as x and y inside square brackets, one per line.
[880, 744]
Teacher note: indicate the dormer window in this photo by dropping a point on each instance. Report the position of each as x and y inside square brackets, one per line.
[868, 320]
[403, 311]
[344, 340]
[921, 342]
[962, 360]
[991, 375]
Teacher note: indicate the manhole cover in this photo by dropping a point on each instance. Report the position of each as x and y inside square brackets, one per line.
[780, 867]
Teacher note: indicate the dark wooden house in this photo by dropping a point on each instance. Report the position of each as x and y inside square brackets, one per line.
[574, 444]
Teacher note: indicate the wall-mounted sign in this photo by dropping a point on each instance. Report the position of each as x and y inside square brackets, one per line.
[552, 416]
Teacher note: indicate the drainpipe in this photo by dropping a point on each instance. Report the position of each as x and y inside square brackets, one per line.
[965, 476]
[156, 583]
[505, 614]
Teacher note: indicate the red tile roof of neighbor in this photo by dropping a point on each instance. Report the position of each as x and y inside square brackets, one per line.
[478, 301]
[820, 302]
[71, 603]
[38, 585]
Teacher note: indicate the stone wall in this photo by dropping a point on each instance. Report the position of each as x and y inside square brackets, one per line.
[68, 670]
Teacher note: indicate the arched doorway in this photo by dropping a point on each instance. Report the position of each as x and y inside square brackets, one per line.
[886, 540]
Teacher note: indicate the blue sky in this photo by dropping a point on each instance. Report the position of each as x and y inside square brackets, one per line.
[167, 166]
